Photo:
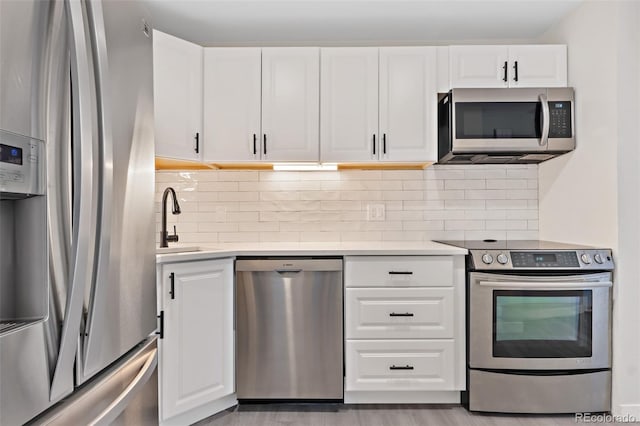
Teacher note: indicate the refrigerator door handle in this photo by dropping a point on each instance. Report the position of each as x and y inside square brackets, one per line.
[103, 144]
[120, 403]
[83, 203]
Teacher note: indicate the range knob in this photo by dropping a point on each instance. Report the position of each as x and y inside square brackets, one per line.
[502, 259]
[487, 258]
[586, 259]
[598, 258]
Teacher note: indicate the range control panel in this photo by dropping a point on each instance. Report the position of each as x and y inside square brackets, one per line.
[587, 259]
[22, 166]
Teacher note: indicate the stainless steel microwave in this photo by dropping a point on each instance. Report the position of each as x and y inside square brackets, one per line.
[505, 126]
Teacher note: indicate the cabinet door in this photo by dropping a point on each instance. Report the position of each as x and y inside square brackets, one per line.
[408, 104]
[197, 351]
[290, 103]
[478, 66]
[177, 93]
[349, 104]
[538, 66]
[232, 84]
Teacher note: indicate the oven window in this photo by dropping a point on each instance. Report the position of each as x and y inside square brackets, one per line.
[542, 324]
[498, 120]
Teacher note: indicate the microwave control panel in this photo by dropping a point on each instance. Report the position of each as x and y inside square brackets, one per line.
[560, 119]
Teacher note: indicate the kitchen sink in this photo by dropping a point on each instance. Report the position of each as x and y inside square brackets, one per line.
[177, 249]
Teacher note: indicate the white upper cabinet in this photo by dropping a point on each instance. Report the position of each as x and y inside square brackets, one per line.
[232, 91]
[290, 104]
[538, 66]
[408, 104]
[508, 66]
[348, 104]
[479, 66]
[379, 104]
[177, 91]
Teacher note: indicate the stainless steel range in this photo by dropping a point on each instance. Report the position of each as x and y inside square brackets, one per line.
[538, 327]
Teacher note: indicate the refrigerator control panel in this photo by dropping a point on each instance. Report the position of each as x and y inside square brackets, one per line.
[22, 166]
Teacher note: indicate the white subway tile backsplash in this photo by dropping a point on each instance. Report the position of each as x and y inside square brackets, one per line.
[444, 214]
[465, 184]
[440, 202]
[465, 204]
[444, 195]
[402, 195]
[464, 225]
[506, 224]
[238, 196]
[237, 176]
[485, 194]
[218, 186]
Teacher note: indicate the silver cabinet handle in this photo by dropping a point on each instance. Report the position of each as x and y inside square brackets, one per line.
[545, 120]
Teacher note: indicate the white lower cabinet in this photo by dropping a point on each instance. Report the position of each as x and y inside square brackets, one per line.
[404, 329]
[402, 365]
[399, 313]
[197, 366]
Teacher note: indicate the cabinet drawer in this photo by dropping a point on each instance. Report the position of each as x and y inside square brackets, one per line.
[398, 271]
[383, 365]
[399, 313]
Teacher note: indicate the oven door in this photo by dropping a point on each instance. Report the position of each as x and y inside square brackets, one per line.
[539, 322]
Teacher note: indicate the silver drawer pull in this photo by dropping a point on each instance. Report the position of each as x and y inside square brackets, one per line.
[400, 273]
[395, 314]
[401, 367]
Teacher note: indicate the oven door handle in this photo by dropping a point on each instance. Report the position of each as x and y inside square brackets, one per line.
[536, 285]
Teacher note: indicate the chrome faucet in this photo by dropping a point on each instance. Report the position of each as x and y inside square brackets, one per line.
[165, 238]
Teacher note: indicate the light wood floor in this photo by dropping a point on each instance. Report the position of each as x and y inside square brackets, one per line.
[373, 415]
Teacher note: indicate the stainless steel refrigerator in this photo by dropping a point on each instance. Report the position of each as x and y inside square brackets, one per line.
[77, 279]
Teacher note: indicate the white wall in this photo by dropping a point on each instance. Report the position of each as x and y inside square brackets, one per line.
[626, 356]
[441, 202]
[592, 196]
[578, 196]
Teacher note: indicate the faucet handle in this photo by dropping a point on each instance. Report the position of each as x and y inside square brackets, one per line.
[173, 238]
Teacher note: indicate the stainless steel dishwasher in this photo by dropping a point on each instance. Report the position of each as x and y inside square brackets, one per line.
[289, 328]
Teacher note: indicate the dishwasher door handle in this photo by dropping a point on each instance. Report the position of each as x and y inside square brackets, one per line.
[284, 271]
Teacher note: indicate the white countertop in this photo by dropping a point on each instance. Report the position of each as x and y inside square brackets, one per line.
[365, 248]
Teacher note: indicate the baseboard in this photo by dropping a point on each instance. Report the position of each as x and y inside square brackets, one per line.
[627, 411]
[201, 412]
[402, 397]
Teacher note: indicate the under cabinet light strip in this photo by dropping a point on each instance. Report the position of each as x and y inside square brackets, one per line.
[305, 167]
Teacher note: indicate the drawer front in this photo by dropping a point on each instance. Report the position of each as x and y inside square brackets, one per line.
[399, 313]
[379, 365]
[398, 271]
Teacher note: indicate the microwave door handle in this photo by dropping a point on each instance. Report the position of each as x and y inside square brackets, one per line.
[544, 140]
[536, 285]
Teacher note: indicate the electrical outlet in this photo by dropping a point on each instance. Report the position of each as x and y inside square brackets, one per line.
[375, 212]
